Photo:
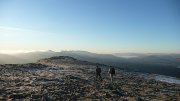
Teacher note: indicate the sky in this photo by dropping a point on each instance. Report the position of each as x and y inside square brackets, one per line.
[101, 26]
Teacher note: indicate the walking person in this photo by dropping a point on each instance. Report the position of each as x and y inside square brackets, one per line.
[98, 72]
[111, 73]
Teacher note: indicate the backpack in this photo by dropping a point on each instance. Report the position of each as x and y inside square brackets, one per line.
[112, 71]
[98, 70]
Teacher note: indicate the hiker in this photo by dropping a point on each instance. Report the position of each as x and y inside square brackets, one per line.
[98, 72]
[111, 73]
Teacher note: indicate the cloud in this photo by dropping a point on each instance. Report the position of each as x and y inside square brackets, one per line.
[19, 51]
[12, 28]
[13, 31]
[19, 31]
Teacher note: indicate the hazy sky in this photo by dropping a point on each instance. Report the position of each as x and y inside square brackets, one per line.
[103, 26]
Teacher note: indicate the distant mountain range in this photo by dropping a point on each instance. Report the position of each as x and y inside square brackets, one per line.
[165, 64]
[111, 59]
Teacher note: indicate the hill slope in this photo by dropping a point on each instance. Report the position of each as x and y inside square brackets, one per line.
[66, 78]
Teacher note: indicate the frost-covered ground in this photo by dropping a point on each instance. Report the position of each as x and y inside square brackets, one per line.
[69, 81]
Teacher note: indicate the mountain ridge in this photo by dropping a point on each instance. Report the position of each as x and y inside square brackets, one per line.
[146, 63]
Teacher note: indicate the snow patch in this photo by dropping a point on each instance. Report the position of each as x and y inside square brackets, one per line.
[167, 79]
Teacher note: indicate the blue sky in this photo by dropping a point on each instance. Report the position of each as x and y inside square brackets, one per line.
[102, 26]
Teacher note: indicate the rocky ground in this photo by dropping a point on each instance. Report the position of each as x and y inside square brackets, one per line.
[68, 79]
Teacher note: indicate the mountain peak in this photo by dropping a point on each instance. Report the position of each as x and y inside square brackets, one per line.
[50, 51]
[63, 60]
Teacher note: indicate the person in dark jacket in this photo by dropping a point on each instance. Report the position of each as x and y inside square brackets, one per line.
[98, 72]
[111, 73]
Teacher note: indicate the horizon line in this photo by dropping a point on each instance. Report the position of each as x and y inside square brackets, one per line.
[13, 52]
